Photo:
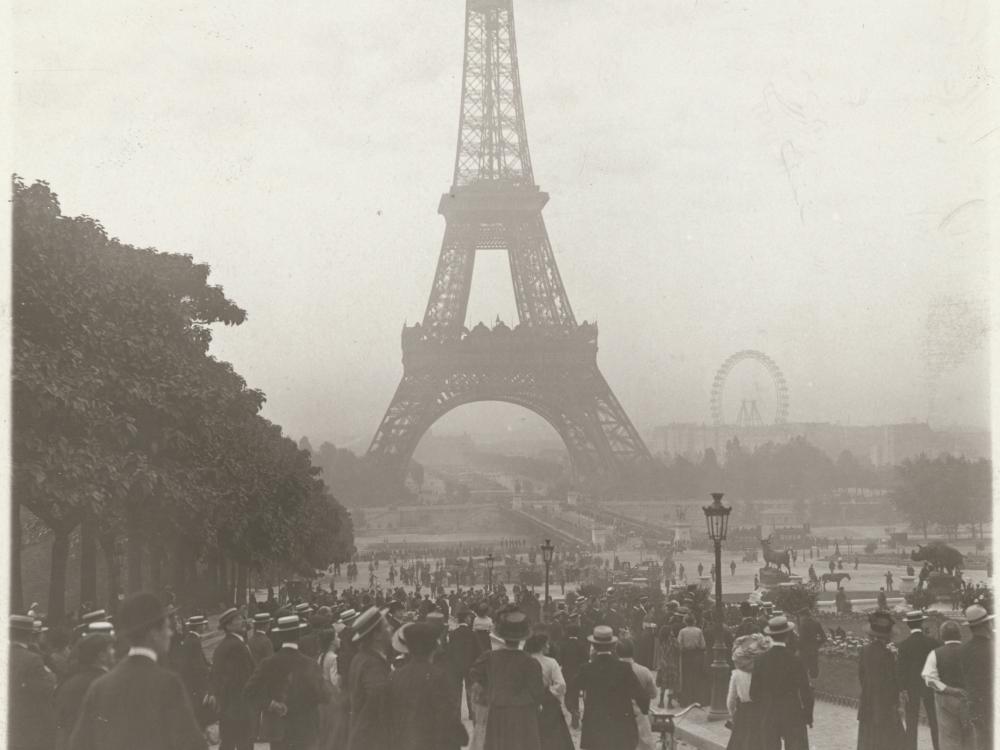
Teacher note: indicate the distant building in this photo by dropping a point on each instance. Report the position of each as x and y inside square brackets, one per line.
[880, 444]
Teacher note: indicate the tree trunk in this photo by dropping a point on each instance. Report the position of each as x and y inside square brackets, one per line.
[241, 585]
[57, 577]
[88, 561]
[134, 558]
[156, 568]
[16, 587]
[111, 563]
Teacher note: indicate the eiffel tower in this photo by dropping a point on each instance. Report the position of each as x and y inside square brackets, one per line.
[548, 362]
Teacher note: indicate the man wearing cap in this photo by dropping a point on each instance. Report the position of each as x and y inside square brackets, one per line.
[421, 714]
[610, 687]
[910, 662]
[287, 688]
[367, 680]
[943, 674]
[781, 688]
[30, 685]
[139, 704]
[977, 673]
[879, 727]
[258, 641]
[94, 657]
[232, 666]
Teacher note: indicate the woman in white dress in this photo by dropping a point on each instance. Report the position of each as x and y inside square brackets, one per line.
[552, 730]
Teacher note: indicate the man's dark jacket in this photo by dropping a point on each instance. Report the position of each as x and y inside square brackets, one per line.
[293, 679]
[29, 699]
[69, 701]
[910, 661]
[780, 686]
[462, 651]
[418, 711]
[366, 684]
[139, 704]
[610, 686]
[232, 667]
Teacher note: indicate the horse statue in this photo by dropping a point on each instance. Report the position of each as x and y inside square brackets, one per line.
[778, 558]
[940, 556]
[834, 578]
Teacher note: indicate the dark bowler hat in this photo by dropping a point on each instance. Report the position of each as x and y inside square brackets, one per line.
[366, 623]
[512, 625]
[914, 617]
[139, 611]
[880, 624]
[603, 636]
[226, 617]
[419, 638]
[22, 624]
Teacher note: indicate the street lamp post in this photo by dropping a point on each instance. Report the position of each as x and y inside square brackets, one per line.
[717, 520]
[547, 550]
[489, 572]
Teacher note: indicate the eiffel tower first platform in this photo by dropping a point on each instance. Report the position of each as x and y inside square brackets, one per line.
[548, 362]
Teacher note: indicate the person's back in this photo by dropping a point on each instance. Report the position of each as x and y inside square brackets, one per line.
[610, 686]
[29, 694]
[780, 686]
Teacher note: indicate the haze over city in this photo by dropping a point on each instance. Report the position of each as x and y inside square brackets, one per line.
[719, 181]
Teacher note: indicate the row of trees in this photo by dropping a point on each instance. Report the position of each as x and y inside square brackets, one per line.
[128, 432]
[946, 491]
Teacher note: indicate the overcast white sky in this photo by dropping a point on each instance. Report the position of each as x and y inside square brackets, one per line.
[804, 178]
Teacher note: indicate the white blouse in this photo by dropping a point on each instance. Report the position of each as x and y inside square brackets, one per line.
[552, 675]
[739, 690]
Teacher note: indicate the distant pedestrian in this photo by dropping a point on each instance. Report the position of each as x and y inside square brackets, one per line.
[879, 727]
[833, 566]
[756, 582]
[232, 666]
[701, 569]
[732, 568]
[942, 673]
[888, 580]
[856, 562]
[881, 602]
[811, 638]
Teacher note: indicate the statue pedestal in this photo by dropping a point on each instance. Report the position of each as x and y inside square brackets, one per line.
[705, 583]
[906, 584]
[795, 580]
[771, 577]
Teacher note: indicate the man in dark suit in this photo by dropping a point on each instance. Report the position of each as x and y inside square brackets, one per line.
[811, 637]
[573, 654]
[232, 666]
[910, 662]
[30, 685]
[609, 686]
[95, 657]
[189, 661]
[139, 704]
[781, 688]
[976, 657]
[288, 688]
[462, 651]
[367, 681]
[346, 649]
[258, 642]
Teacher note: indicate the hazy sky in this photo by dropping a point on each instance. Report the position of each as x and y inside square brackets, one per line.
[803, 178]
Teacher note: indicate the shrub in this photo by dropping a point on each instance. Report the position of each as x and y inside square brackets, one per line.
[871, 547]
[920, 599]
[792, 599]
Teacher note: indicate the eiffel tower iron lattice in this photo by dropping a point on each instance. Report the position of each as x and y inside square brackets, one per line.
[548, 362]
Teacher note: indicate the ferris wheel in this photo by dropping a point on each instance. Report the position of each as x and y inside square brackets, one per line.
[780, 386]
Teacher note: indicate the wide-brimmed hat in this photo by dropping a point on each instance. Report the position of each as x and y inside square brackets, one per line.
[778, 625]
[22, 624]
[976, 615]
[437, 619]
[288, 624]
[880, 624]
[347, 615]
[748, 648]
[914, 616]
[100, 628]
[139, 611]
[366, 623]
[195, 620]
[261, 618]
[227, 616]
[512, 625]
[399, 638]
[303, 608]
[98, 615]
[603, 636]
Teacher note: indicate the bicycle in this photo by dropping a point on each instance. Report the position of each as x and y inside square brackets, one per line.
[663, 725]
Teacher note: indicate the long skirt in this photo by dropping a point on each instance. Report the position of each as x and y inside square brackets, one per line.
[553, 734]
[512, 728]
[692, 676]
[482, 715]
[333, 721]
[952, 733]
[746, 729]
[667, 667]
[883, 733]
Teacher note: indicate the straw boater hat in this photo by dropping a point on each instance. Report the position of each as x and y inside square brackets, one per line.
[347, 615]
[98, 615]
[603, 636]
[914, 617]
[100, 628]
[261, 618]
[288, 625]
[778, 625]
[366, 623]
[748, 648]
[976, 615]
[226, 617]
[399, 638]
[22, 625]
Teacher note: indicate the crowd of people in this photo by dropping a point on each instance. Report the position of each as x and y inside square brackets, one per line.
[370, 669]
